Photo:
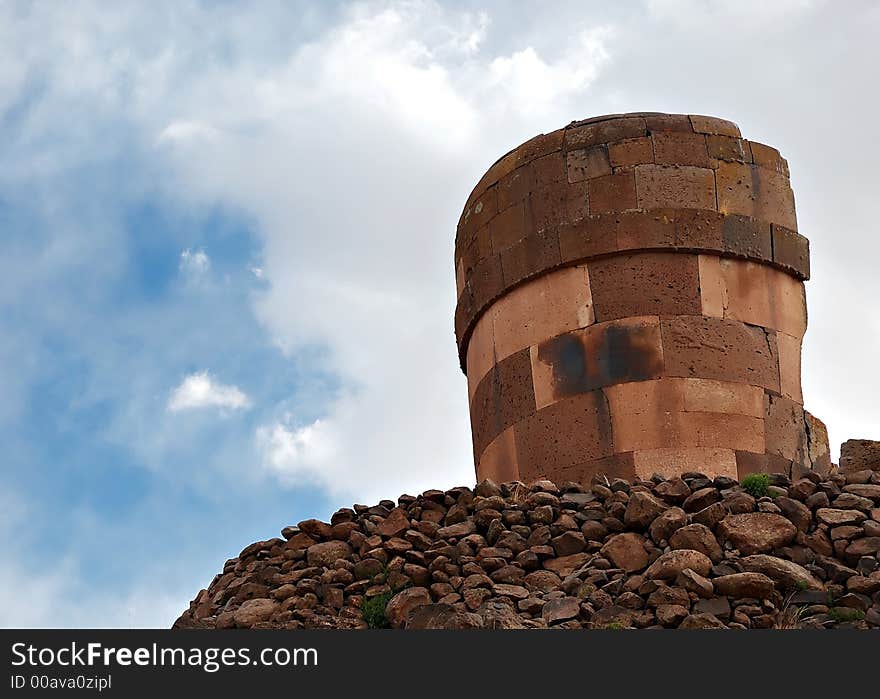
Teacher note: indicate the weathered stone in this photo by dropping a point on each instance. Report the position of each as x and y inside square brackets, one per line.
[671, 614]
[670, 564]
[667, 523]
[442, 616]
[560, 609]
[694, 582]
[642, 509]
[834, 517]
[626, 551]
[786, 574]
[796, 511]
[699, 538]
[739, 585]
[756, 532]
[701, 621]
[568, 543]
[327, 553]
[402, 605]
[253, 612]
[566, 565]
[395, 524]
[457, 531]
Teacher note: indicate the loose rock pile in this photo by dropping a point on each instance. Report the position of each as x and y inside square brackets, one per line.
[687, 552]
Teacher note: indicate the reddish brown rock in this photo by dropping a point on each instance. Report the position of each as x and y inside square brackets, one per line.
[402, 605]
[756, 532]
[670, 564]
[626, 551]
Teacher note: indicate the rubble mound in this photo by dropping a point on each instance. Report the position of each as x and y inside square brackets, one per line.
[685, 552]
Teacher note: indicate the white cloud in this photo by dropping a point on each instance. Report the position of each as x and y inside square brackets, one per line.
[194, 264]
[183, 131]
[200, 390]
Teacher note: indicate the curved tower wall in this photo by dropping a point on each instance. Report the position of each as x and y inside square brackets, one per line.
[631, 301]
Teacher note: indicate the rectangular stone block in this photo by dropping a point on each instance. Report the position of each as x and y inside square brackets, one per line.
[577, 201]
[790, 366]
[761, 295]
[709, 348]
[664, 430]
[646, 284]
[547, 207]
[615, 192]
[552, 304]
[508, 227]
[480, 352]
[677, 148]
[669, 122]
[607, 467]
[478, 213]
[532, 254]
[639, 230]
[756, 192]
[503, 397]
[515, 187]
[486, 281]
[652, 397]
[728, 148]
[549, 170]
[631, 152]
[750, 462]
[604, 132]
[698, 229]
[498, 461]
[746, 237]
[592, 235]
[586, 163]
[597, 356]
[541, 145]
[671, 462]
[660, 186]
[791, 250]
[785, 429]
[566, 434]
[710, 396]
[713, 290]
[768, 157]
[714, 125]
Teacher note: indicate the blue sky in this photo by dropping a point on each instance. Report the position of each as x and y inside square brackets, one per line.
[226, 285]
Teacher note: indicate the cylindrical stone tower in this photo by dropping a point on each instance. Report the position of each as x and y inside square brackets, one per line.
[631, 302]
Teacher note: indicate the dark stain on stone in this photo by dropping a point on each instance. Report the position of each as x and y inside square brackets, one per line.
[586, 361]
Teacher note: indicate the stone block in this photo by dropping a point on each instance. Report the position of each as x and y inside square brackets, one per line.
[709, 348]
[645, 284]
[678, 148]
[687, 187]
[615, 192]
[631, 152]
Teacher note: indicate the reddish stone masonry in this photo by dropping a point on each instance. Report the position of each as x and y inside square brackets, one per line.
[631, 301]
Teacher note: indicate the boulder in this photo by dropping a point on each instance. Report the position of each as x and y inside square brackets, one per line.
[670, 564]
[626, 551]
[402, 605]
[756, 532]
[786, 574]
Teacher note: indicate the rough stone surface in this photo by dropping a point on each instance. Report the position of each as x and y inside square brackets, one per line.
[505, 556]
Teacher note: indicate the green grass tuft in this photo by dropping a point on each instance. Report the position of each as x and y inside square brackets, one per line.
[756, 484]
[373, 610]
[843, 614]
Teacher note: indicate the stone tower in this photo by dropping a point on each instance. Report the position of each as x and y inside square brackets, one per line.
[631, 301]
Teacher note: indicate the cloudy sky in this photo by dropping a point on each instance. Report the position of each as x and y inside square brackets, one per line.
[226, 234]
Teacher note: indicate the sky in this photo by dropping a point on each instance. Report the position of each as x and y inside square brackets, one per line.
[226, 240]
